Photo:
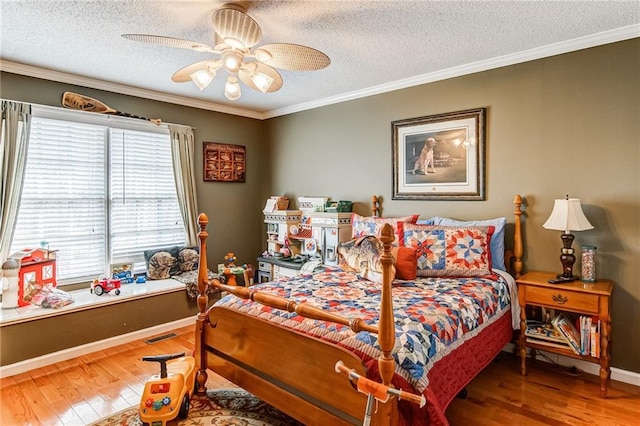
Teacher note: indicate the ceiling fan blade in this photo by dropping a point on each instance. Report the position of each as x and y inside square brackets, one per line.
[250, 74]
[232, 23]
[184, 75]
[295, 57]
[170, 42]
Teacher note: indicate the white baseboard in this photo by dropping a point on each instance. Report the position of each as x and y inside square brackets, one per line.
[618, 374]
[66, 354]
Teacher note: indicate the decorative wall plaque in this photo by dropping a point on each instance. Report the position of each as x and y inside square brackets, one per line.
[224, 162]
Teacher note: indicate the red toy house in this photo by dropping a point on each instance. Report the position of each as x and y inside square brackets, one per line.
[36, 266]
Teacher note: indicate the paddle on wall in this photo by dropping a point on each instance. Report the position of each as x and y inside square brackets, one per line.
[84, 103]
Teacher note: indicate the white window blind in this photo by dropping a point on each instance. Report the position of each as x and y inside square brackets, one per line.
[97, 195]
[144, 204]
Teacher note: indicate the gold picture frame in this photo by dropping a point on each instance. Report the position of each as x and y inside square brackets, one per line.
[439, 157]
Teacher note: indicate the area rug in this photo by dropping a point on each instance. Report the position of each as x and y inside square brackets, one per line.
[222, 407]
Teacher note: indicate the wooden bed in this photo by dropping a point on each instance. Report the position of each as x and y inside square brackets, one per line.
[293, 371]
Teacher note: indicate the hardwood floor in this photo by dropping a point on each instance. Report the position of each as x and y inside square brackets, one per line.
[548, 395]
[85, 389]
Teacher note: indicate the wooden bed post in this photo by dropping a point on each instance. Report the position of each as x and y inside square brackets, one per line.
[517, 239]
[387, 414]
[375, 206]
[202, 301]
[386, 327]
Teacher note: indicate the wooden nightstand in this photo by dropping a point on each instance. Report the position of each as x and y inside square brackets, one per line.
[592, 299]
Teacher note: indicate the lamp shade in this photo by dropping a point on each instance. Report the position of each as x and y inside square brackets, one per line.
[567, 216]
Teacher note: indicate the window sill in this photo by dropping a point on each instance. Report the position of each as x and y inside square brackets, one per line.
[84, 299]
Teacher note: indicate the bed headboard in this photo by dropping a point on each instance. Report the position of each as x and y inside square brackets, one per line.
[512, 257]
[375, 206]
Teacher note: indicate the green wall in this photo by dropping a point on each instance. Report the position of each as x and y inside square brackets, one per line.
[569, 124]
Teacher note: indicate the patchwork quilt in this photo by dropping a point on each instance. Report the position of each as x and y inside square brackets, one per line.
[190, 280]
[433, 316]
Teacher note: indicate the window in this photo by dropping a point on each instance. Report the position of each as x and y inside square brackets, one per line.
[98, 194]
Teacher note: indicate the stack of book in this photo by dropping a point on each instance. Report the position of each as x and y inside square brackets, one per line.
[545, 334]
[562, 333]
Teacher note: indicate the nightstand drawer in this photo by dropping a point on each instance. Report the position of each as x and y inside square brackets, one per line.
[563, 299]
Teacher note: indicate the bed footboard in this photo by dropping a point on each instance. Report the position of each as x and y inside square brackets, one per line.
[291, 371]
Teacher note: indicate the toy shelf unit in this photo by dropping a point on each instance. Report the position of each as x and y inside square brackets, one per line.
[327, 231]
[280, 223]
[265, 269]
[325, 224]
[272, 268]
[310, 231]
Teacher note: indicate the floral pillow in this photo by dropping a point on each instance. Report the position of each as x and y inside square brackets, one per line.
[459, 251]
[361, 225]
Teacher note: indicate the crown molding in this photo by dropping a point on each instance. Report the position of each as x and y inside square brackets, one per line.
[593, 40]
[598, 39]
[62, 77]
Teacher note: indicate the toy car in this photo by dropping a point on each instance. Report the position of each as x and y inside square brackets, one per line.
[103, 285]
[125, 277]
[168, 395]
[141, 279]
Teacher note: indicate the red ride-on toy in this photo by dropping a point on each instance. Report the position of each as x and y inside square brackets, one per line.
[168, 395]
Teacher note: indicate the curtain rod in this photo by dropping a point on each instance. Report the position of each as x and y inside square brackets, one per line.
[97, 114]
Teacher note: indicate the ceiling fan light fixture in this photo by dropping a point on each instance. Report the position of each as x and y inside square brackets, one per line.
[232, 88]
[262, 81]
[232, 61]
[202, 78]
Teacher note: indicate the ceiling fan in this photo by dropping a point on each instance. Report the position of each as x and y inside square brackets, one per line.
[236, 34]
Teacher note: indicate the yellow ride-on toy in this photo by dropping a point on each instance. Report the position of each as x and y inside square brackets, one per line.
[168, 395]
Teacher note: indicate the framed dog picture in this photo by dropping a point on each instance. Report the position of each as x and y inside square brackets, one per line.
[439, 157]
[224, 162]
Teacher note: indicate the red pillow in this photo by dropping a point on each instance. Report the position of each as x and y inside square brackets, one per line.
[406, 262]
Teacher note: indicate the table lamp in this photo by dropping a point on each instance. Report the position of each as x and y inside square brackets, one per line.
[567, 216]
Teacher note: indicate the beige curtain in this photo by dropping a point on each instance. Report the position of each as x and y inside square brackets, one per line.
[183, 155]
[14, 140]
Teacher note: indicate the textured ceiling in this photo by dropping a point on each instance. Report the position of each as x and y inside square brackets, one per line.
[374, 46]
